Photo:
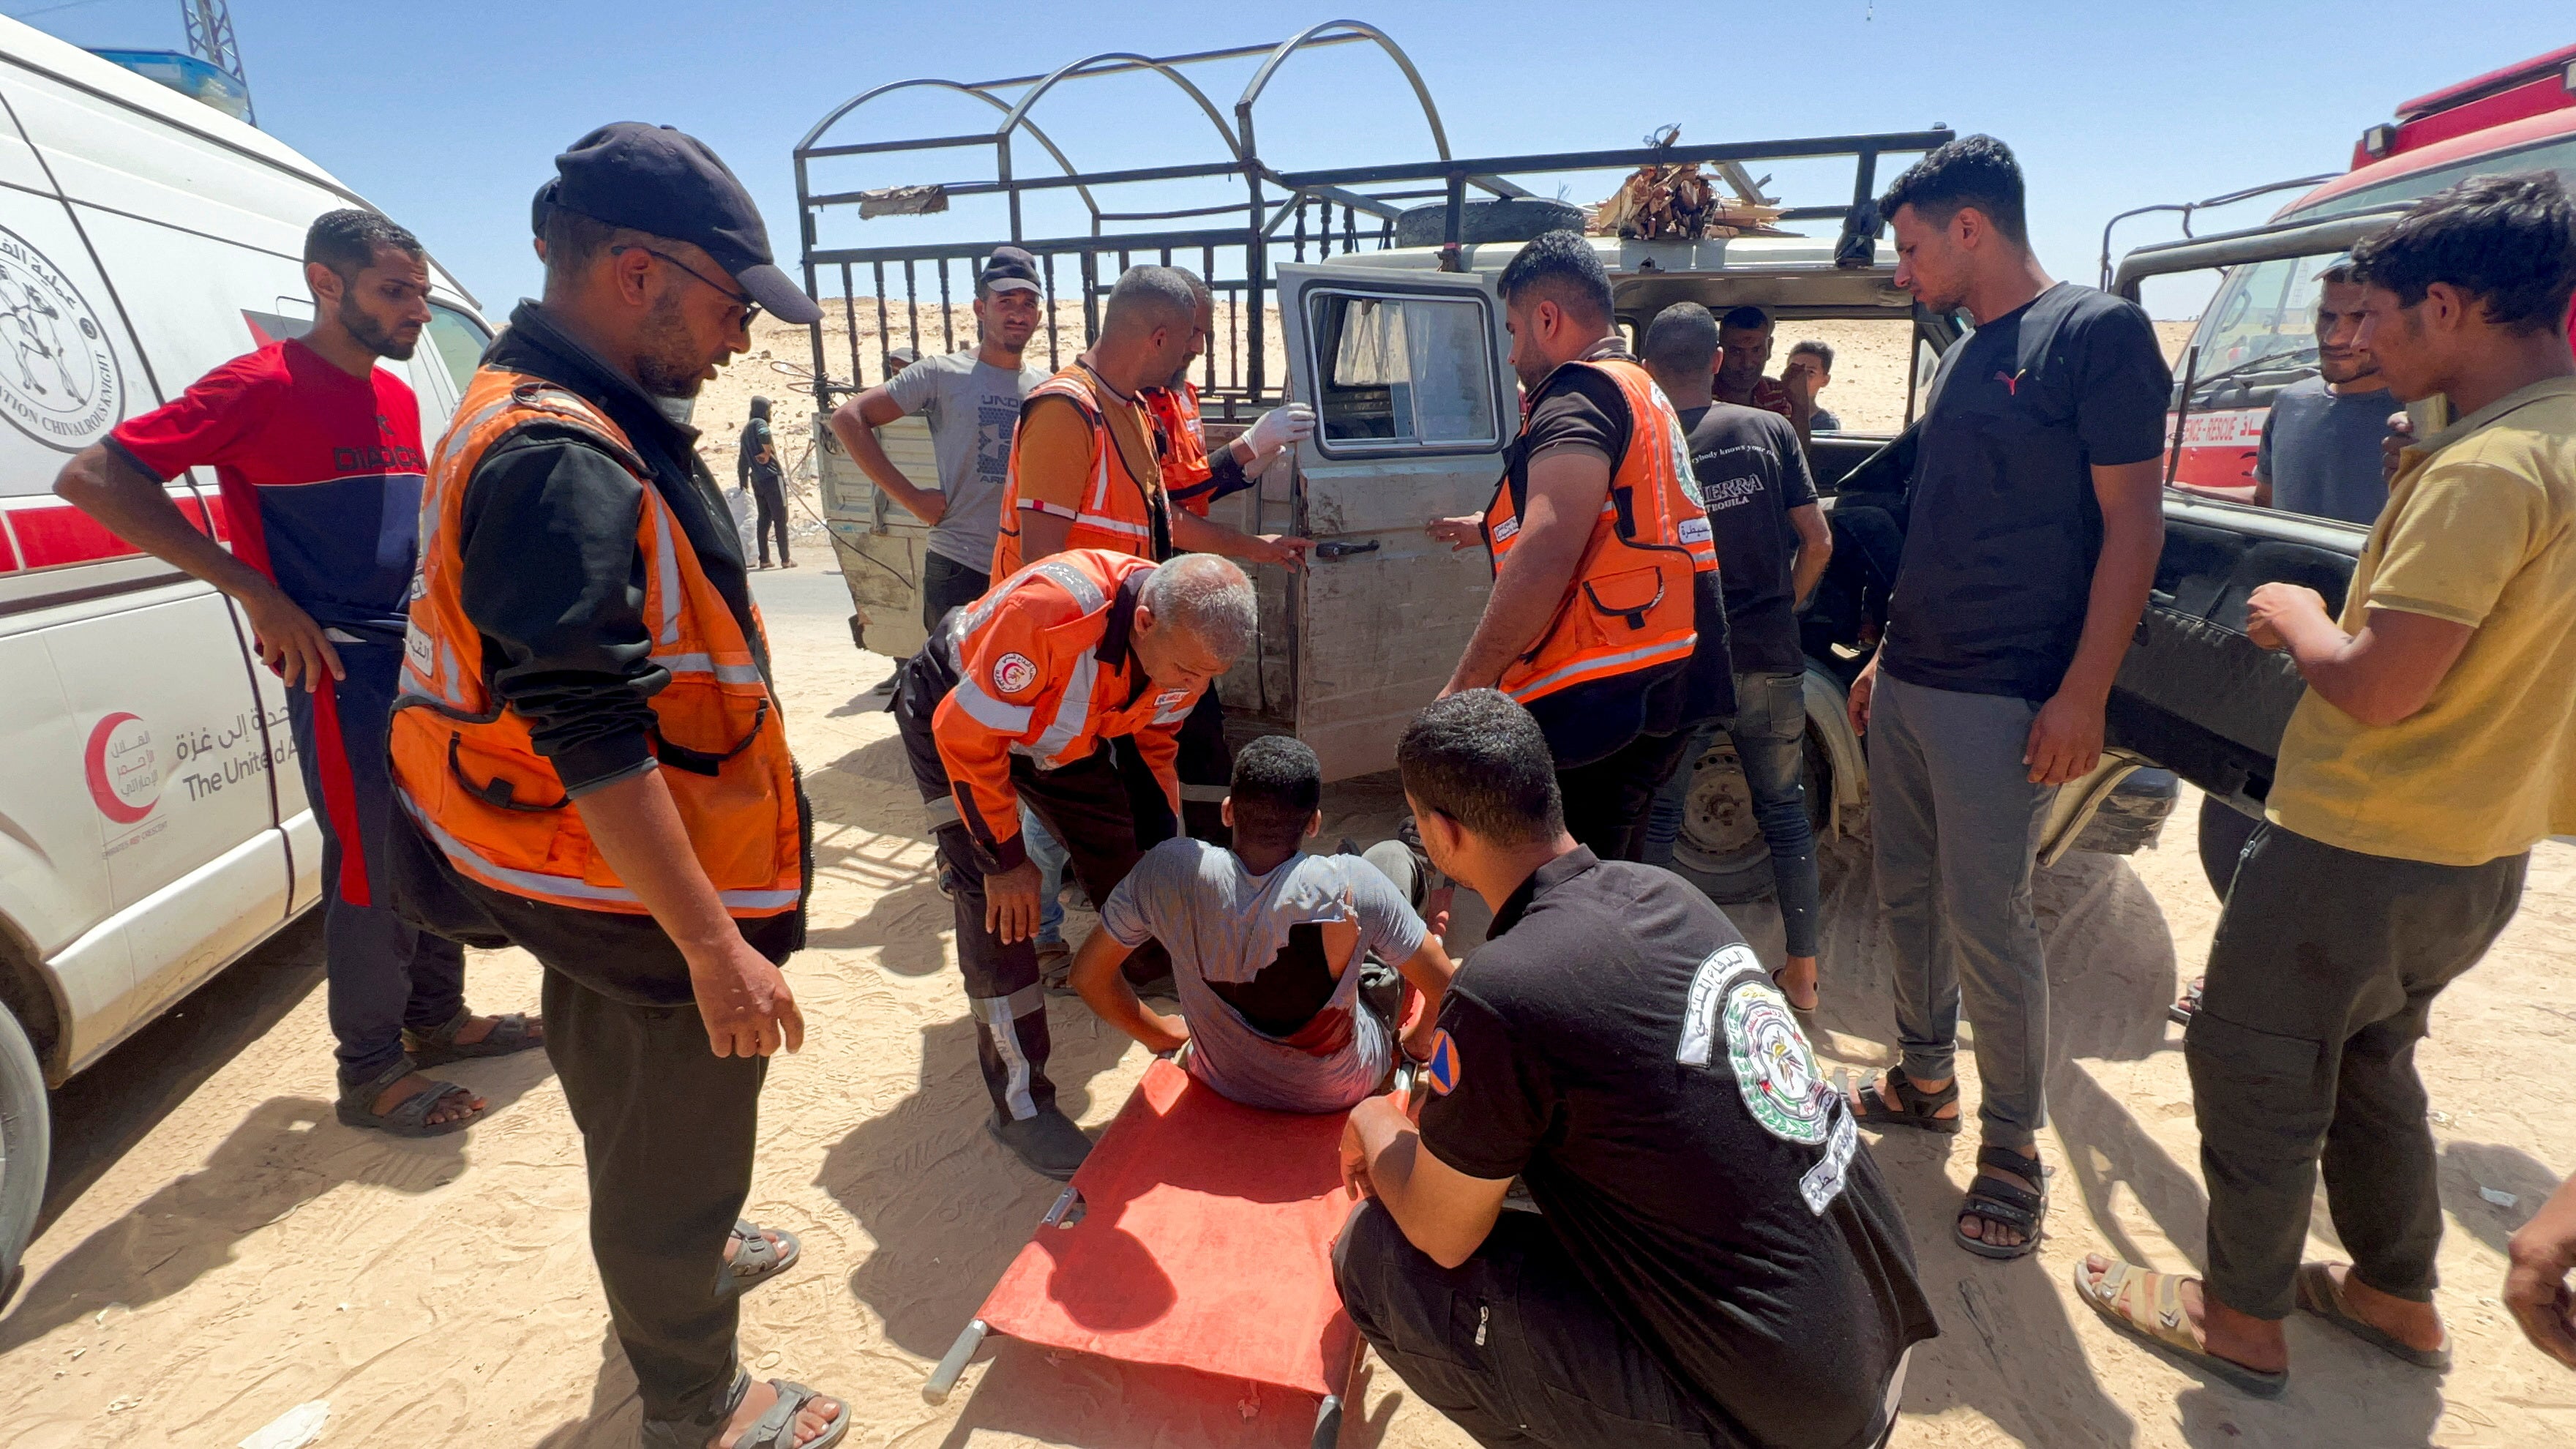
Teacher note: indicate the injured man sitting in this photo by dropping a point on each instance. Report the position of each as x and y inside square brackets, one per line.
[1266, 944]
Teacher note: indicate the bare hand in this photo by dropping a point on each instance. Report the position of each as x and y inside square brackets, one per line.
[2401, 436]
[1166, 1033]
[2535, 1281]
[289, 641]
[2065, 740]
[1284, 549]
[1801, 379]
[1355, 1161]
[746, 1004]
[927, 504]
[1011, 903]
[1856, 703]
[2270, 605]
[1467, 531]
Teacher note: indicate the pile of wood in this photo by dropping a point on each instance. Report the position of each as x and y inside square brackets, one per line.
[1663, 202]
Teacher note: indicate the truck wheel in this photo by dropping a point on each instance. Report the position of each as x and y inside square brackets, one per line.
[25, 1139]
[1510, 219]
[1720, 849]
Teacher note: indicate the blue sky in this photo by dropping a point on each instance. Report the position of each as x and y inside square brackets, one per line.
[448, 116]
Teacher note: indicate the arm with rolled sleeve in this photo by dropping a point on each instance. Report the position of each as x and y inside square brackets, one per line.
[554, 581]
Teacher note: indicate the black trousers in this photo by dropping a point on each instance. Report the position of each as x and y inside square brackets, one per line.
[1513, 1345]
[2321, 979]
[947, 584]
[1206, 768]
[1107, 811]
[667, 1129]
[769, 503]
[1608, 802]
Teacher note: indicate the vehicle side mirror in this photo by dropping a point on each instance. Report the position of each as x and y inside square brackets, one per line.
[1857, 247]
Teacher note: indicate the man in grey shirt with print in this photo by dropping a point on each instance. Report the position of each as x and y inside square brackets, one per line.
[972, 400]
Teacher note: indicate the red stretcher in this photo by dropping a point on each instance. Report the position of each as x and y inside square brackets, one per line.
[1197, 1235]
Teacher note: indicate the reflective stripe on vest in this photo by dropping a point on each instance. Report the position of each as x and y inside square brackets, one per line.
[1631, 604]
[1074, 710]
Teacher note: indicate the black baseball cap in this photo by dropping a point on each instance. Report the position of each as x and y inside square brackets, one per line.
[661, 180]
[1009, 269]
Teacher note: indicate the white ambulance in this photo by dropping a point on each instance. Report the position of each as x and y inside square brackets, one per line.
[153, 825]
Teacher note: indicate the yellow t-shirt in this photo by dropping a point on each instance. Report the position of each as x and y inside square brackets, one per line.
[2480, 529]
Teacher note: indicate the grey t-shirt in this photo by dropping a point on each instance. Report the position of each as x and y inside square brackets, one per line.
[973, 410]
[2320, 451]
[1222, 923]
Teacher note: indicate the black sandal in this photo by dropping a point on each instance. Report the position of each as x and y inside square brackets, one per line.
[1998, 1201]
[509, 1036]
[1913, 1106]
[410, 1116]
[757, 1260]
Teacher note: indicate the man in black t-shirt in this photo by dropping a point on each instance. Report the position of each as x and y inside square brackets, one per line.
[1751, 476]
[2032, 533]
[1618, 728]
[1714, 1260]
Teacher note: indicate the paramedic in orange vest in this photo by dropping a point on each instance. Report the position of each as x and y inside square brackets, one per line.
[1606, 622]
[1017, 701]
[590, 746]
[1193, 480]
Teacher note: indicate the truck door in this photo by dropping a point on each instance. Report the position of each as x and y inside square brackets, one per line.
[1413, 402]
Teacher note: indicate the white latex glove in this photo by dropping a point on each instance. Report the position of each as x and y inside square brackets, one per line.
[1281, 427]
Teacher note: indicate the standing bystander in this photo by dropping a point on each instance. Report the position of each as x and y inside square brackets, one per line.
[2036, 519]
[1751, 476]
[755, 466]
[2436, 744]
[318, 453]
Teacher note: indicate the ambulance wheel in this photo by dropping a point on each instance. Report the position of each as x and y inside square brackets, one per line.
[25, 1142]
[1720, 848]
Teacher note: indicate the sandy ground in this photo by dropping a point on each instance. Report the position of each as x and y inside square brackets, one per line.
[223, 1250]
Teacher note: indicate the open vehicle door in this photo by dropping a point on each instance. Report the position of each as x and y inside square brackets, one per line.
[2195, 694]
[1413, 402]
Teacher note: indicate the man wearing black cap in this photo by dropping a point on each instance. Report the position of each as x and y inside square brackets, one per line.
[589, 741]
[972, 401]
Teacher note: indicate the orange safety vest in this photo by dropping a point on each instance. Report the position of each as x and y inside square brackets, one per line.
[463, 764]
[1183, 442]
[1122, 509]
[1631, 605]
[1043, 670]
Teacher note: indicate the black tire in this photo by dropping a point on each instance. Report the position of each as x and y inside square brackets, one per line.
[1511, 219]
[1739, 868]
[2223, 832]
[26, 1141]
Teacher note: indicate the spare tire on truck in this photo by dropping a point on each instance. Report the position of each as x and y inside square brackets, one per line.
[1510, 219]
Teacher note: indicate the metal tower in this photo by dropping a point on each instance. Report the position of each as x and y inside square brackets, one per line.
[210, 37]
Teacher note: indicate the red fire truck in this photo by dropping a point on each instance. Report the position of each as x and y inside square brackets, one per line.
[2257, 334]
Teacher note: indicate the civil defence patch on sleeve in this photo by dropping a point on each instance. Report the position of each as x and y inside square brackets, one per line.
[1442, 1069]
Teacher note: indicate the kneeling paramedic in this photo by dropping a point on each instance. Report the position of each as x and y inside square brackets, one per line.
[1605, 621]
[589, 743]
[1715, 1261]
[1017, 700]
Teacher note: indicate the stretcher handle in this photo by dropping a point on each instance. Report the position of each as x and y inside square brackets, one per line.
[943, 1379]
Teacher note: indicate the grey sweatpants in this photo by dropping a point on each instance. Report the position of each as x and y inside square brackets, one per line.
[1954, 821]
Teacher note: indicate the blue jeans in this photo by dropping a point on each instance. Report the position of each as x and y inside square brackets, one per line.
[1769, 730]
[1050, 859]
[384, 975]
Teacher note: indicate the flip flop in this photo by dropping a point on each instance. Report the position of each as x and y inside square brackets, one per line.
[2154, 1316]
[2320, 1295]
[758, 1260]
[1807, 1010]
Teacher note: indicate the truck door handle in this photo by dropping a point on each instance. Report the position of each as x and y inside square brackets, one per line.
[1344, 550]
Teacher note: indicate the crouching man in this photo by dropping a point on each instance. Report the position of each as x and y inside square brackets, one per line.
[1713, 1255]
[1266, 943]
[1016, 699]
